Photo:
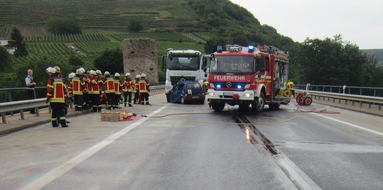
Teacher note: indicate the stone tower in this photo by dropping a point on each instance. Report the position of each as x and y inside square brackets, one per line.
[140, 56]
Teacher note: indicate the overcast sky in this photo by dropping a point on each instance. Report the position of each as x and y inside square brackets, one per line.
[358, 21]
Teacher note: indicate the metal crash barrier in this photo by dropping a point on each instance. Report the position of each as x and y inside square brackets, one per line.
[370, 100]
[20, 106]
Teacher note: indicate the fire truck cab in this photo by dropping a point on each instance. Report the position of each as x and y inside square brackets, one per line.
[247, 76]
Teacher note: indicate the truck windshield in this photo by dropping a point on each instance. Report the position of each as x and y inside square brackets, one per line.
[232, 64]
[183, 63]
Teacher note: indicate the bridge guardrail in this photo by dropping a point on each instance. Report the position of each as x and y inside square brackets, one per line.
[370, 100]
[20, 106]
[8, 107]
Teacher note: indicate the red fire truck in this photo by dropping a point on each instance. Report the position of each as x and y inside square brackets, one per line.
[247, 76]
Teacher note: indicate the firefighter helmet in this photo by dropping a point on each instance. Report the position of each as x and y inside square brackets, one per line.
[71, 75]
[92, 72]
[138, 76]
[51, 70]
[48, 69]
[143, 75]
[57, 68]
[79, 72]
[82, 69]
[107, 73]
[117, 75]
[127, 74]
[98, 72]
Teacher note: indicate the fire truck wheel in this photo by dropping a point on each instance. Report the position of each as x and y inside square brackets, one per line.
[259, 105]
[218, 106]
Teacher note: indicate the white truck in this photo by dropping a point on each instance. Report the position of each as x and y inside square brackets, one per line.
[185, 64]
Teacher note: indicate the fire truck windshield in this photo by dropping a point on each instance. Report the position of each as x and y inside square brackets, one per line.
[183, 63]
[232, 64]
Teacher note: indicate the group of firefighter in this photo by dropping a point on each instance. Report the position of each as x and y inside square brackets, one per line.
[88, 90]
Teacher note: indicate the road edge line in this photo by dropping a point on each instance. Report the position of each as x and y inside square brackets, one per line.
[350, 124]
[63, 168]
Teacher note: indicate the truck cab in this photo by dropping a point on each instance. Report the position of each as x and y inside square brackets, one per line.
[247, 76]
[188, 65]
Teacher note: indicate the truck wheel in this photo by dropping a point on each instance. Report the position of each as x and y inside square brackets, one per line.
[218, 106]
[259, 105]
[274, 106]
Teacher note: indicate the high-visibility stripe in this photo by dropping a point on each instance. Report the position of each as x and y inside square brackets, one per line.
[77, 86]
[109, 86]
[143, 87]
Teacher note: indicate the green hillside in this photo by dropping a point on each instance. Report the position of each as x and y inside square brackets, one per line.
[181, 24]
[101, 14]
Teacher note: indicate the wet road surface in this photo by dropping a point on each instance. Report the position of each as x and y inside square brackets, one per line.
[174, 146]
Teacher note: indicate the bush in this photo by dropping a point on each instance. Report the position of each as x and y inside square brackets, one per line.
[135, 25]
[63, 26]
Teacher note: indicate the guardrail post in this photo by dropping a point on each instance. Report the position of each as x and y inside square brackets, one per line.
[3, 118]
[22, 115]
[37, 111]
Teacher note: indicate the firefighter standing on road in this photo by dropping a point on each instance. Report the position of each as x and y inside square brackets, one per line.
[136, 90]
[109, 90]
[117, 90]
[94, 91]
[144, 90]
[78, 88]
[290, 85]
[56, 93]
[128, 89]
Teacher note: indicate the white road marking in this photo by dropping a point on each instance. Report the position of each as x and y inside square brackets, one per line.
[350, 124]
[296, 175]
[62, 169]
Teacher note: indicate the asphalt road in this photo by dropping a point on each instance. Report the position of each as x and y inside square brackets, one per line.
[174, 146]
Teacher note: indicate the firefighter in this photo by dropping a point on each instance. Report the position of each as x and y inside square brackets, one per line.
[70, 89]
[109, 90]
[128, 89]
[94, 91]
[136, 90]
[48, 70]
[56, 93]
[118, 90]
[78, 88]
[206, 85]
[100, 84]
[86, 80]
[290, 86]
[144, 88]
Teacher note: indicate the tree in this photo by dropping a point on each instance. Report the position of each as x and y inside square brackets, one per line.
[330, 62]
[110, 60]
[5, 59]
[21, 49]
[63, 26]
[75, 61]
